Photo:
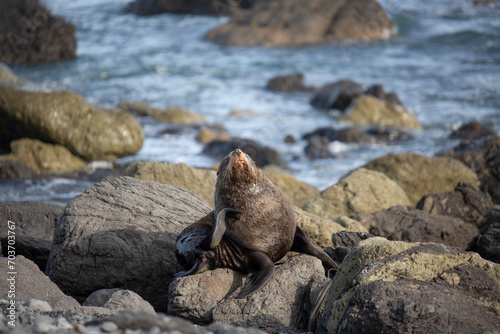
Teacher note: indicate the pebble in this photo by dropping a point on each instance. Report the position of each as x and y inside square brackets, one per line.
[42, 324]
[89, 330]
[63, 324]
[38, 305]
[154, 330]
[109, 326]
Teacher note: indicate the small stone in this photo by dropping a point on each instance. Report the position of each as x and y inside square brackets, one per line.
[154, 330]
[42, 324]
[38, 305]
[62, 323]
[89, 330]
[109, 326]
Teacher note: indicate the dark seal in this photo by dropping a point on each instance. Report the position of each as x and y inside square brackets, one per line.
[252, 227]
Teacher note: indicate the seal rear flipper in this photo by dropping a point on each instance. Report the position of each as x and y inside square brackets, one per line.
[302, 244]
[262, 269]
[202, 263]
[220, 225]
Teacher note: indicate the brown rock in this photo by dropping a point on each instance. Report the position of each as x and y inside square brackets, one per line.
[174, 115]
[471, 131]
[297, 192]
[288, 83]
[206, 135]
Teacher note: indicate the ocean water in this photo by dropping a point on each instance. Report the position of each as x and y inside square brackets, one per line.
[443, 62]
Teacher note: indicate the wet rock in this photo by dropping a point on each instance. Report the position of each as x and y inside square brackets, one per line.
[288, 83]
[391, 287]
[203, 7]
[466, 202]
[206, 135]
[199, 181]
[65, 118]
[122, 232]
[175, 115]
[472, 130]
[483, 157]
[261, 155]
[362, 190]
[297, 192]
[12, 170]
[289, 139]
[379, 92]
[488, 243]
[31, 283]
[210, 295]
[318, 147]
[298, 23]
[117, 299]
[373, 135]
[343, 242]
[43, 157]
[337, 95]
[30, 34]
[420, 175]
[412, 225]
[368, 110]
[389, 134]
[34, 227]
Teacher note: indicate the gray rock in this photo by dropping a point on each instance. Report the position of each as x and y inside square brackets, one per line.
[412, 225]
[318, 147]
[117, 299]
[220, 328]
[472, 130]
[288, 83]
[31, 283]
[122, 232]
[343, 242]
[203, 7]
[38, 305]
[337, 95]
[109, 326]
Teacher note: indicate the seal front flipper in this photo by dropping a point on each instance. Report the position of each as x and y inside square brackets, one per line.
[302, 244]
[220, 225]
[261, 271]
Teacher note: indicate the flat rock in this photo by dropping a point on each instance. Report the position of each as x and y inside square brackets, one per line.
[173, 115]
[30, 34]
[412, 225]
[118, 299]
[199, 181]
[122, 233]
[61, 117]
[302, 22]
[369, 110]
[394, 287]
[31, 283]
[362, 190]
[209, 296]
[419, 175]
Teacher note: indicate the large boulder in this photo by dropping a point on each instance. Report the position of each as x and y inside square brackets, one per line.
[362, 190]
[211, 7]
[302, 22]
[34, 224]
[368, 110]
[412, 225]
[297, 192]
[65, 118]
[30, 34]
[29, 282]
[122, 233]
[420, 175]
[483, 157]
[209, 296]
[42, 157]
[396, 287]
[176, 115]
[199, 181]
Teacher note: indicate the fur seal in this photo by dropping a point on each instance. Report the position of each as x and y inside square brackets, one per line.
[252, 227]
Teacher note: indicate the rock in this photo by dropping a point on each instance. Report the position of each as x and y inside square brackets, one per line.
[38, 305]
[43, 157]
[337, 95]
[419, 175]
[392, 287]
[318, 147]
[289, 139]
[12, 170]
[31, 283]
[472, 130]
[212, 7]
[199, 181]
[34, 227]
[412, 225]
[218, 328]
[7, 74]
[483, 157]
[378, 91]
[297, 192]
[298, 23]
[288, 83]
[373, 135]
[122, 233]
[389, 134]
[261, 155]
[175, 115]
[343, 242]
[488, 243]
[466, 202]
[206, 135]
[362, 190]
[117, 299]
[65, 118]
[30, 34]
[369, 110]
[244, 113]
[208, 295]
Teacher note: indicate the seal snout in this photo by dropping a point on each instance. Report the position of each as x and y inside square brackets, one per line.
[238, 152]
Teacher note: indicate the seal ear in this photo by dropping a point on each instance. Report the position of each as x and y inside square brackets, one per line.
[220, 225]
[262, 268]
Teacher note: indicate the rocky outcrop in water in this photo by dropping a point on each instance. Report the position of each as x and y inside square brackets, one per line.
[472, 131]
[288, 83]
[30, 34]
[302, 22]
[372, 135]
[173, 115]
[203, 7]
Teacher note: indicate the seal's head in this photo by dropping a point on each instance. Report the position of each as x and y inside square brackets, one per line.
[237, 168]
